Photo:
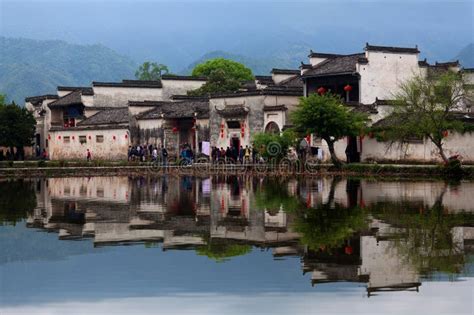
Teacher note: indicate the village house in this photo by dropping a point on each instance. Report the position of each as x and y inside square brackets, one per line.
[368, 81]
[108, 117]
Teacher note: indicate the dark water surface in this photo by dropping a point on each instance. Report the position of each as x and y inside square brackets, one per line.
[236, 245]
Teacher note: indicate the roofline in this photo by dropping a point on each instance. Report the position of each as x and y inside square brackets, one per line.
[285, 71]
[129, 84]
[285, 92]
[42, 97]
[354, 73]
[392, 49]
[183, 77]
[75, 88]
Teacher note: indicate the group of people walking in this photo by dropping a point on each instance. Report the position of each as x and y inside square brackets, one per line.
[145, 152]
[234, 155]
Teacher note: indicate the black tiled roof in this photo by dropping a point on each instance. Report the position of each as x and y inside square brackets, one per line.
[73, 98]
[406, 50]
[423, 63]
[447, 64]
[130, 83]
[185, 109]
[40, 98]
[305, 65]
[84, 89]
[233, 111]
[147, 103]
[270, 90]
[285, 71]
[292, 82]
[337, 65]
[182, 77]
[313, 54]
[264, 79]
[267, 108]
[189, 97]
[468, 70]
[117, 115]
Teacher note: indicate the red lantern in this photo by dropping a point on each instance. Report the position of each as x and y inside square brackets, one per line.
[348, 88]
[113, 137]
[175, 129]
[90, 137]
[126, 136]
[222, 125]
[73, 137]
[59, 137]
[49, 137]
[321, 90]
[445, 133]
[348, 250]
[222, 134]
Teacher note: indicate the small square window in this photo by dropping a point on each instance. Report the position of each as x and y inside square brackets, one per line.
[82, 139]
[67, 139]
[99, 138]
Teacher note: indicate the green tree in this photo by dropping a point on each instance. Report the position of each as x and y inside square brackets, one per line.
[3, 99]
[425, 108]
[274, 146]
[327, 117]
[221, 251]
[18, 199]
[223, 75]
[151, 71]
[17, 127]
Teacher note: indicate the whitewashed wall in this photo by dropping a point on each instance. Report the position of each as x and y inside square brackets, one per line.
[384, 73]
[119, 96]
[110, 149]
[179, 87]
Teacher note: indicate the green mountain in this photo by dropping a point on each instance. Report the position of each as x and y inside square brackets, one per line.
[33, 67]
[466, 56]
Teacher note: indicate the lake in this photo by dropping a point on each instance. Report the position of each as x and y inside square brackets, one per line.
[236, 245]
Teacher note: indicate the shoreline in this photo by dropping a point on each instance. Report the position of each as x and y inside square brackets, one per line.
[392, 171]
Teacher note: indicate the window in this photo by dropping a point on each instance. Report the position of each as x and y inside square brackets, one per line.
[67, 139]
[82, 139]
[232, 124]
[99, 138]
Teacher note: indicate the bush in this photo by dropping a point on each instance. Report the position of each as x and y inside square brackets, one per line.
[41, 163]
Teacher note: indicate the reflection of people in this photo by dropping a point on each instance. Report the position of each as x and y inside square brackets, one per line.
[89, 155]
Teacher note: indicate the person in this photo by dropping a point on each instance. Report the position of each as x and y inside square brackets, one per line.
[129, 154]
[222, 154]
[214, 153]
[228, 155]
[254, 154]
[154, 154]
[247, 154]
[164, 155]
[89, 155]
[44, 156]
[241, 155]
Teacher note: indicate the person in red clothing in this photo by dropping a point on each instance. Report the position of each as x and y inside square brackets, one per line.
[89, 155]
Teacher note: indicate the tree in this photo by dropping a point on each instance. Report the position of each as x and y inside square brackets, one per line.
[3, 99]
[327, 117]
[17, 127]
[425, 108]
[223, 76]
[151, 71]
[274, 146]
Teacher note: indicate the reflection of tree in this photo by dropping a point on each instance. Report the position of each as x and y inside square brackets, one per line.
[330, 224]
[273, 196]
[221, 250]
[18, 198]
[424, 234]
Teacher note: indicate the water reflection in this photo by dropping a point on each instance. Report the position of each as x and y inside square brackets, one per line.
[386, 235]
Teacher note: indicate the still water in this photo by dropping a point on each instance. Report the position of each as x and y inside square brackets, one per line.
[236, 245]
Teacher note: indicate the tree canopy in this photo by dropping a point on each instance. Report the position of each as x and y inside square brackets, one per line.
[274, 146]
[151, 71]
[327, 117]
[425, 108]
[223, 75]
[17, 126]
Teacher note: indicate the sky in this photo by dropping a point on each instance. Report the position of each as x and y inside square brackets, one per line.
[179, 32]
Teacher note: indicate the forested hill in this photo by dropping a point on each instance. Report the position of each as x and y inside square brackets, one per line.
[32, 67]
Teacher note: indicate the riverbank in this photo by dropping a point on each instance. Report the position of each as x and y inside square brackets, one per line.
[124, 168]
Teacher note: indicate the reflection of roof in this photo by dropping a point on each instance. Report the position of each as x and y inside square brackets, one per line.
[336, 65]
[183, 109]
[409, 286]
[117, 115]
[84, 90]
[130, 84]
[73, 98]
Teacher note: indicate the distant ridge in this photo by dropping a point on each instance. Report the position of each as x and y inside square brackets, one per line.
[32, 67]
